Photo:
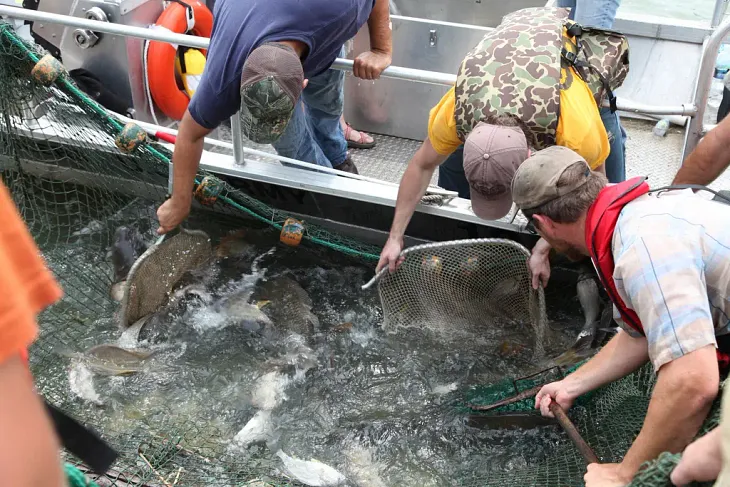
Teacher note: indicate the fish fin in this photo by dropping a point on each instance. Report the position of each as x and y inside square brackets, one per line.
[262, 303]
[65, 351]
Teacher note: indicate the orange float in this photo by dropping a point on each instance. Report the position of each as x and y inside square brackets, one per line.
[166, 93]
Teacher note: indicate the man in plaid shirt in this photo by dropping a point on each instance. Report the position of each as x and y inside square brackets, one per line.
[664, 260]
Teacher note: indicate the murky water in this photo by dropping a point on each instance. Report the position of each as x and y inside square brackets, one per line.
[380, 408]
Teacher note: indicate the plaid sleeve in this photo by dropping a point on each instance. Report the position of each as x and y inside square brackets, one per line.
[663, 281]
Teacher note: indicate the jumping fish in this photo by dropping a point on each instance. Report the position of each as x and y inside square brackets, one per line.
[313, 473]
[238, 308]
[107, 359]
[291, 306]
[127, 248]
[596, 325]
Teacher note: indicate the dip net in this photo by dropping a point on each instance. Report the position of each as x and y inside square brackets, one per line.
[464, 285]
[72, 184]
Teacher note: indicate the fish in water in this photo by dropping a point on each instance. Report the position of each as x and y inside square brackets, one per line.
[107, 359]
[290, 306]
[127, 248]
[596, 326]
[238, 309]
[234, 245]
[313, 472]
[258, 429]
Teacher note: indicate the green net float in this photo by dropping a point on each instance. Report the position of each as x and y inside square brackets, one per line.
[47, 70]
[131, 137]
[432, 264]
[292, 232]
[208, 191]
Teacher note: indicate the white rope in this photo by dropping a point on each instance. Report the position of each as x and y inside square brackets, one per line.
[146, 82]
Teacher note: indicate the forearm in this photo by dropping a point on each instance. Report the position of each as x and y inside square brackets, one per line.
[413, 186]
[186, 160]
[679, 404]
[709, 159]
[381, 37]
[29, 449]
[621, 356]
[541, 248]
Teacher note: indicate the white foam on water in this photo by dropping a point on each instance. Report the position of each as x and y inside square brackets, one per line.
[81, 383]
[361, 467]
[440, 390]
[257, 429]
[269, 390]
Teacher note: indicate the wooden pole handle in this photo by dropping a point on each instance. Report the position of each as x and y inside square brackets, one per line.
[573, 433]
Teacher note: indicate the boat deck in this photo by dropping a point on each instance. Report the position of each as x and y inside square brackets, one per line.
[659, 158]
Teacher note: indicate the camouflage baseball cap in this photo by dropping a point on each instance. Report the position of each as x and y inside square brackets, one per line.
[271, 83]
[536, 181]
[492, 154]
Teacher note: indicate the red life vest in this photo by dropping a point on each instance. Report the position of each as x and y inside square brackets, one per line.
[600, 224]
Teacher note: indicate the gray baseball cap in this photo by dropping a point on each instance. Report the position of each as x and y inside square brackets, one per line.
[271, 83]
[536, 181]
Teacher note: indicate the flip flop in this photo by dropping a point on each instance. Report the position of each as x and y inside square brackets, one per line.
[357, 144]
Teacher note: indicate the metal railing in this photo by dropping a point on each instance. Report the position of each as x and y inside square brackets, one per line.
[694, 110]
[702, 87]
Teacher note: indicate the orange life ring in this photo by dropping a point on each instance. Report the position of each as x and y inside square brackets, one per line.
[167, 95]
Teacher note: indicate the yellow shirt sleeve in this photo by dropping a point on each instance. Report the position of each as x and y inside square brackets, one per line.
[442, 125]
[580, 127]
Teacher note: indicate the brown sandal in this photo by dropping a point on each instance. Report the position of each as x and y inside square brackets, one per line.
[357, 144]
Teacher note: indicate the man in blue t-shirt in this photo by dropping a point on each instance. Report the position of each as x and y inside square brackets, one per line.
[270, 60]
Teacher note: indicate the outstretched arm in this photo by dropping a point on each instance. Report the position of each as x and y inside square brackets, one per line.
[412, 187]
[186, 159]
[621, 356]
[681, 400]
[709, 159]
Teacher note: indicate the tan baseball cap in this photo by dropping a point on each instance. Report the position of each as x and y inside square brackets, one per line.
[492, 154]
[536, 181]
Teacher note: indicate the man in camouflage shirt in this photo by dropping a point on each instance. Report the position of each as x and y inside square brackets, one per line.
[533, 82]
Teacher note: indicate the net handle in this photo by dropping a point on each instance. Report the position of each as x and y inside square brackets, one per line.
[448, 244]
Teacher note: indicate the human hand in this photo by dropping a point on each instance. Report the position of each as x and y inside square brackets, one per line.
[370, 64]
[171, 214]
[606, 475]
[390, 255]
[701, 460]
[539, 264]
[555, 391]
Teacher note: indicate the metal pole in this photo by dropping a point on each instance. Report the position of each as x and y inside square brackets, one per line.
[685, 109]
[395, 72]
[153, 34]
[237, 137]
[404, 73]
[702, 87]
[718, 13]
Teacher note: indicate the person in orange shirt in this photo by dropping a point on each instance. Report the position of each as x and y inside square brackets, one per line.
[29, 447]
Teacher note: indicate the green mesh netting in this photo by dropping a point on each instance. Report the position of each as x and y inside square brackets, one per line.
[55, 143]
[59, 159]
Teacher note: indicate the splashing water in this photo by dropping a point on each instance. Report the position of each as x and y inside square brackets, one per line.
[377, 408]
